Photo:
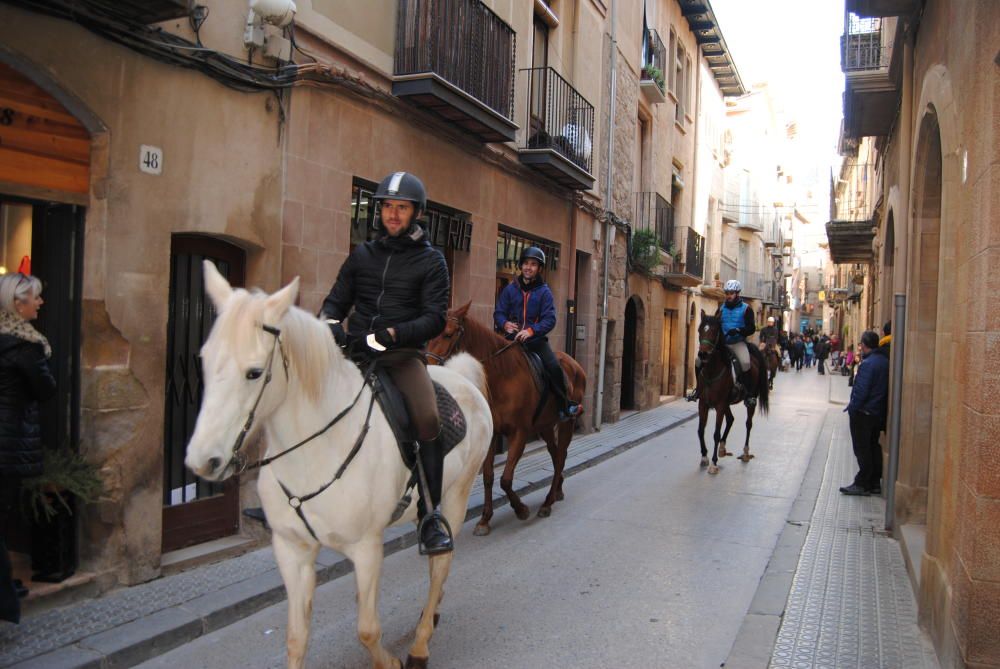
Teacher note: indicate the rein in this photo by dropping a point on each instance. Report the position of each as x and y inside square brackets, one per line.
[440, 359]
[295, 501]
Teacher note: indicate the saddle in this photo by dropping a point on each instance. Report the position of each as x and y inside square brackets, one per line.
[453, 425]
[541, 378]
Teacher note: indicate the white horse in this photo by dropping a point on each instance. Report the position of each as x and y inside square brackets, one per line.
[270, 364]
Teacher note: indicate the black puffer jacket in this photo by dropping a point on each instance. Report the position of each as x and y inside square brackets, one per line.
[399, 282]
[25, 380]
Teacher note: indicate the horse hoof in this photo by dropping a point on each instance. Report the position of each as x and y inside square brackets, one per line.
[713, 469]
[545, 512]
[522, 513]
[723, 452]
[746, 457]
[704, 461]
[416, 662]
[481, 530]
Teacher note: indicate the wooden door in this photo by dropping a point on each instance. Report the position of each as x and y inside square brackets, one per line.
[194, 511]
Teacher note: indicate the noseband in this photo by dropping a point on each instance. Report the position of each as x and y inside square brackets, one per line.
[439, 359]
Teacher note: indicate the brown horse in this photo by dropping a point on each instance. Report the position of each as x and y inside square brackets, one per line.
[773, 361]
[514, 400]
[715, 390]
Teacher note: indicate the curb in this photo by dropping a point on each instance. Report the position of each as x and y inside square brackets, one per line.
[145, 638]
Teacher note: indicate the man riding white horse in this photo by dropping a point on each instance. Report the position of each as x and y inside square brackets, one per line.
[398, 287]
[737, 324]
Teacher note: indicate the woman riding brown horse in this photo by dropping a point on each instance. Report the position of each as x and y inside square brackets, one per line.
[715, 390]
[514, 400]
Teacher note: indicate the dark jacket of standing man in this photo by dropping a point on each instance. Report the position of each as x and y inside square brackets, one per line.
[867, 411]
[398, 287]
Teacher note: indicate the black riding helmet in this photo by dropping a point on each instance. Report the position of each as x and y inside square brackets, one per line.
[532, 253]
[403, 186]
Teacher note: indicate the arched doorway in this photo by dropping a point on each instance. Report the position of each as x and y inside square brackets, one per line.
[921, 325]
[629, 354]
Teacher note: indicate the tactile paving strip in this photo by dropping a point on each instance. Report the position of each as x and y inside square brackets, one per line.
[851, 604]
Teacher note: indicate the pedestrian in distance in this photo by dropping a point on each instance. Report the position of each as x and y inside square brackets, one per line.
[398, 288]
[867, 415]
[25, 380]
[810, 350]
[822, 350]
[526, 313]
[798, 352]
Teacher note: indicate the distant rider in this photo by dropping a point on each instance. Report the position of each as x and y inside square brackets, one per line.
[526, 313]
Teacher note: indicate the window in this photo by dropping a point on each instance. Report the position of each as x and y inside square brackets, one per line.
[689, 80]
[539, 75]
[672, 70]
[680, 78]
[448, 229]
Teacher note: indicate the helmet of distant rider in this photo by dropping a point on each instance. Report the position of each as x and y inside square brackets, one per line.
[733, 285]
[532, 253]
[770, 320]
[403, 186]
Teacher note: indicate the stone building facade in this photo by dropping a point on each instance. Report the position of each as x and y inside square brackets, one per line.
[922, 79]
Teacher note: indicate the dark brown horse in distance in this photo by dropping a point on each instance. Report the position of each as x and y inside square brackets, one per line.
[514, 400]
[715, 390]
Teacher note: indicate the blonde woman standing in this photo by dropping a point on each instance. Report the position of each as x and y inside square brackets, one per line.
[25, 380]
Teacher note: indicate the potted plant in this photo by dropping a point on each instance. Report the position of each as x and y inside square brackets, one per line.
[644, 252]
[651, 81]
[51, 498]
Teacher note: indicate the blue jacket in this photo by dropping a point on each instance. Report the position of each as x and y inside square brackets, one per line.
[530, 306]
[871, 385]
[738, 317]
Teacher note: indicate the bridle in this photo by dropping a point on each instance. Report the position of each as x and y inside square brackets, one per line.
[439, 359]
[712, 345]
[240, 460]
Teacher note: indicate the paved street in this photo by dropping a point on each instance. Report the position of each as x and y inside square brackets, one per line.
[649, 562]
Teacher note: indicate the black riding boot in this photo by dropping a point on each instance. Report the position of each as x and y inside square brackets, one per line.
[750, 398]
[433, 529]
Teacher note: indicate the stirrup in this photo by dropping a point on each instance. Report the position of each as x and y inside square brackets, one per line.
[570, 411]
[447, 546]
[692, 396]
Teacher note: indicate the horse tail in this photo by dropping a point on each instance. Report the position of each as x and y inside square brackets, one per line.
[762, 386]
[471, 369]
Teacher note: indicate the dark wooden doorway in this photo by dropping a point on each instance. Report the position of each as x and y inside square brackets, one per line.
[194, 511]
[628, 356]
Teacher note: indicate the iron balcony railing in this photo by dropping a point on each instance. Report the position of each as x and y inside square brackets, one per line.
[694, 252]
[559, 117]
[654, 59]
[861, 45]
[464, 43]
[654, 213]
[853, 193]
[752, 283]
[718, 269]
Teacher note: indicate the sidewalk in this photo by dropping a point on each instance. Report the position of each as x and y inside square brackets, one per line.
[130, 625]
[835, 592]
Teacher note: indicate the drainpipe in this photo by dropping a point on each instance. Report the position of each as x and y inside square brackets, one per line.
[694, 203]
[895, 415]
[613, 65]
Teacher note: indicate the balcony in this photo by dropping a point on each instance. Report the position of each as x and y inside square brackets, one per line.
[688, 266]
[652, 80]
[871, 95]
[752, 283]
[654, 213]
[882, 7]
[561, 125]
[718, 269]
[851, 228]
[456, 59]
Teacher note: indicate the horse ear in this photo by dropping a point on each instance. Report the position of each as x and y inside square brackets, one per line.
[277, 304]
[216, 286]
[463, 310]
[703, 316]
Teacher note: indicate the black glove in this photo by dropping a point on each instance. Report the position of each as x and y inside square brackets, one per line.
[383, 337]
[733, 333]
[338, 332]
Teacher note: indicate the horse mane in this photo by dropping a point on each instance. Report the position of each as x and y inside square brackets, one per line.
[482, 342]
[307, 342]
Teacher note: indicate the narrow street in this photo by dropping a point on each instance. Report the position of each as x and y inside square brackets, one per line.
[650, 562]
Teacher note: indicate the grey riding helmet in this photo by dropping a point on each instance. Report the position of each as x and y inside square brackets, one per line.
[403, 186]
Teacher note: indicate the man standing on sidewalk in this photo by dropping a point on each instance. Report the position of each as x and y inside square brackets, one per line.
[867, 411]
